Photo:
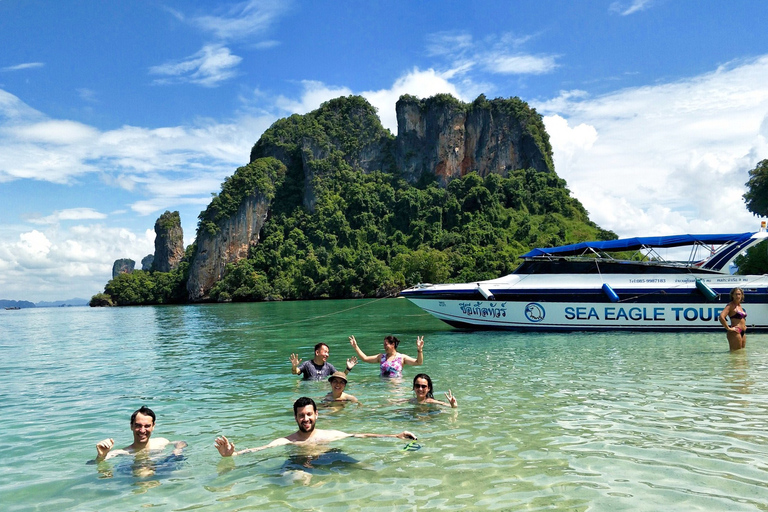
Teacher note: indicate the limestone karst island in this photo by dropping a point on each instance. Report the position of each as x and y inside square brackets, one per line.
[332, 205]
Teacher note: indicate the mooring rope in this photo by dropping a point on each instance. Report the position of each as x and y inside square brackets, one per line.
[329, 314]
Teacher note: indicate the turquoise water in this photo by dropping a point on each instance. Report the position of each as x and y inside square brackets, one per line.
[577, 421]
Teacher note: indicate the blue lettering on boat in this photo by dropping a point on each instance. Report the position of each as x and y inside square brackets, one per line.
[694, 314]
[483, 310]
[644, 314]
[634, 313]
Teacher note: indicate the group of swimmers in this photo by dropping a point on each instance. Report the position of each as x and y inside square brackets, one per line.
[304, 409]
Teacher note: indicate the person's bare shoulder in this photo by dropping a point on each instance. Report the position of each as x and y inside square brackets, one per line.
[158, 443]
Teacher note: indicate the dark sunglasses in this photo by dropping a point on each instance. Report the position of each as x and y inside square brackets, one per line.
[421, 386]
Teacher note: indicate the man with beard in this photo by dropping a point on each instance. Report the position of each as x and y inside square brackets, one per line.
[305, 413]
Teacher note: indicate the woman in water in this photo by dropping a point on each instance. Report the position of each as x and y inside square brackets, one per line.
[737, 332]
[391, 361]
[422, 388]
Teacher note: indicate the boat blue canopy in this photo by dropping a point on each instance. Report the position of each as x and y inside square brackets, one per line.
[637, 243]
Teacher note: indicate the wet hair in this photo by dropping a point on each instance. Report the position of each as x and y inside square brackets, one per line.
[429, 383]
[320, 345]
[392, 340]
[146, 411]
[303, 402]
[735, 290]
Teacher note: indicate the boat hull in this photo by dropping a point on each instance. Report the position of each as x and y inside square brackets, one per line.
[580, 316]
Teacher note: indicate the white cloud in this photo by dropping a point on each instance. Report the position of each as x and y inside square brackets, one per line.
[26, 65]
[55, 132]
[210, 66]
[34, 244]
[625, 8]
[63, 263]
[69, 214]
[572, 142]
[244, 20]
[313, 95]
[494, 54]
[665, 158]
[160, 203]
[184, 162]
[14, 110]
[506, 64]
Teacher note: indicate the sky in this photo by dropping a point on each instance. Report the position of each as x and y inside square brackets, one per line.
[113, 112]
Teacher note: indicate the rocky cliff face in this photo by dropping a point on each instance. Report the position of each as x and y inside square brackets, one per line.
[440, 135]
[169, 242]
[228, 245]
[123, 266]
[232, 222]
[449, 139]
[146, 262]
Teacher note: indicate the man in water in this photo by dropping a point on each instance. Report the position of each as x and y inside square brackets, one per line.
[142, 425]
[305, 413]
[318, 368]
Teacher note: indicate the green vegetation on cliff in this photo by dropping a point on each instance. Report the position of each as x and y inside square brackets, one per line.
[258, 176]
[372, 235]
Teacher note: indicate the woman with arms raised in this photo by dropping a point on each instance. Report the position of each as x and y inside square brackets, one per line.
[391, 361]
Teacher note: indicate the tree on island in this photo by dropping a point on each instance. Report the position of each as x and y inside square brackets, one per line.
[756, 198]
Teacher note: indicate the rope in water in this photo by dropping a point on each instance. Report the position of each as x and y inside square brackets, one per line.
[328, 314]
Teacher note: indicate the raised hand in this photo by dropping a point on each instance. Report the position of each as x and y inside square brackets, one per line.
[104, 446]
[226, 449]
[419, 343]
[351, 362]
[451, 399]
[295, 360]
[353, 341]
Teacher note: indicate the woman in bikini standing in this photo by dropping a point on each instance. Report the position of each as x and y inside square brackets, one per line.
[737, 332]
[391, 361]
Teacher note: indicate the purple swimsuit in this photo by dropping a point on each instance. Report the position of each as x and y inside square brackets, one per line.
[393, 368]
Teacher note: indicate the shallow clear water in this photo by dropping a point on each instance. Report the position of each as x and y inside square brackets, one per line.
[577, 421]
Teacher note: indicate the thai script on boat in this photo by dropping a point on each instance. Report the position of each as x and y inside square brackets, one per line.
[644, 313]
[481, 309]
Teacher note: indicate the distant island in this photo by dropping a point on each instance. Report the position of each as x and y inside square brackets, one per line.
[22, 304]
[332, 205]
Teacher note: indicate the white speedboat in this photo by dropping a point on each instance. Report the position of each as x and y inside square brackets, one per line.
[582, 287]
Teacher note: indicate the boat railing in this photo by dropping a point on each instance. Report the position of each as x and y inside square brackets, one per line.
[606, 258]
